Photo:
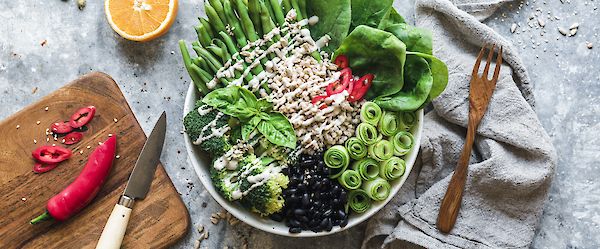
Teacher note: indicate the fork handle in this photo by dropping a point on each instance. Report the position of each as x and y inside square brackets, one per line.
[453, 197]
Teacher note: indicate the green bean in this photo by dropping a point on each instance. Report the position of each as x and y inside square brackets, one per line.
[214, 18]
[246, 2]
[223, 47]
[254, 11]
[203, 35]
[268, 25]
[247, 24]
[296, 6]
[201, 62]
[278, 12]
[302, 5]
[269, 7]
[213, 63]
[233, 50]
[218, 6]
[235, 24]
[287, 6]
[217, 51]
[209, 29]
[205, 76]
[200, 84]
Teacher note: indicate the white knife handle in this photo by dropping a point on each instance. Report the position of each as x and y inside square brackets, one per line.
[114, 231]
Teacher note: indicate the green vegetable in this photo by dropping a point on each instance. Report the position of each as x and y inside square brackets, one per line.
[350, 179]
[278, 130]
[269, 9]
[392, 168]
[367, 133]
[194, 123]
[356, 148]
[439, 71]
[254, 12]
[337, 157]
[381, 150]
[334, 20]
[403, 141]
[416, 39]
[203, 35]
[234, 101]
[209, 29]
[218, 6]
[413, 98]
[245, 20]
[278, 12]
[370, 12]
[378, 189]
[296, 6]
[370, 113]
[390, 19]
[234, 23]
[215, 20]
[265, 199]
[370, 50]
[200, 84]
[302, 9]
[225, 182]
[359, 201]
[389, 124]
[368, 168]
[286, 5]
[407, 120]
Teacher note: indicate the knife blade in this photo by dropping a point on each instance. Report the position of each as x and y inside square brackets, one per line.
[143, 171]
[137, 187]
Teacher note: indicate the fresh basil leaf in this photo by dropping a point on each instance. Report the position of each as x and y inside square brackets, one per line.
[248, 98]
[264, 116]
[419, 82]
[222, 97]
[334, 20]
[278, 130]
[264, 106]
[439, 70]
[370, 50]
[369, 12]
[234, 101]
[416, 39]
[249, 127]
[390, 19]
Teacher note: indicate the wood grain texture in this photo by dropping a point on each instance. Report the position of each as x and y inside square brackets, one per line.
[157, 222]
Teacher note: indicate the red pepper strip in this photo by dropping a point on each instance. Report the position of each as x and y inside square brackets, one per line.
[73, 138]
[341, 61]
[319, 98]
[61, 127]
[85, 187]
[361, 87]
[51, 154]
[82, 116]
[342, 84]
[40, 168]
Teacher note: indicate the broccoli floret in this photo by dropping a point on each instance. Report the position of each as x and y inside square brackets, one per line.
[194, 123]
[225, 181]
[279, 153]
[265, 199]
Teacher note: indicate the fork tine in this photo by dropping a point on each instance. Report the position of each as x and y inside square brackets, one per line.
[478, 62]
[498, 64]
[489, 61]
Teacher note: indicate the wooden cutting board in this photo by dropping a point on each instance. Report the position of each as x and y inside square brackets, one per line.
[156, 222]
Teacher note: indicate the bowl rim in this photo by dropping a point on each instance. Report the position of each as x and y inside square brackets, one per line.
[270, 226]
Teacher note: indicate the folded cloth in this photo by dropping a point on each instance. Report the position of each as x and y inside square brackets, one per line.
[513, 160]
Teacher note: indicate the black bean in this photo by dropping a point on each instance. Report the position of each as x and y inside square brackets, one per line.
[340, 214]
[324, 222]
[304, 220]
[299, 212]
[295, 230]
[329, 225]
[294, 223]
[344, 222]
[327, 213]
[305, 200]
[301, 187]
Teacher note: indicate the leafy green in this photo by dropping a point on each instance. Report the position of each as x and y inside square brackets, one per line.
[390, 19]
[334, 20]
[250, 126]
[439, 70]
[419, 82]
[369, 12]
[370, 50]
[234, 101]
[278, 130]
[416, 39]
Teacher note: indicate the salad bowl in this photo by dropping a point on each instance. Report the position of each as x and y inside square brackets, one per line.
[201, 163]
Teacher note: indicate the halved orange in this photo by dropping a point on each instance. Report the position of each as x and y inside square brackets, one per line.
[140, 20]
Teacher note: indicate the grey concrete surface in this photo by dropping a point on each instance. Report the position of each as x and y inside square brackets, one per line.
[151, 75]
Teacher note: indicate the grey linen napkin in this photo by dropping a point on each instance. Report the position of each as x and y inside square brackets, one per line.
[513, 160]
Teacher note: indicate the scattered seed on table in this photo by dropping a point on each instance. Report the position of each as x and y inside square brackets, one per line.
[110, 135]
[47, 139]
[573, 32]
[81, 152]
[118, 156]
[34, 90]
[99, 143]
[574, 25]
[214, 220]
[115, 119]
[53, 145]
[89, 147]
[23, 199]
[589, 45]
[206, 235]
[80, 4]
[197, 244]
[34, 141]
[221, 215]
[513, 28]
[38, 122]
[563, 31]
[200, 228]
[18, 126]
[46, 109]
[541, 22]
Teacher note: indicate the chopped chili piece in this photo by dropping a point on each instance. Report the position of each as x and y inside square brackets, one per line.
[341, 61]
[342, 85]
[361, 86]
[73, 138]
[41, 168]
[51, 154]
[319, 98]
[82, 116]
[61, 127]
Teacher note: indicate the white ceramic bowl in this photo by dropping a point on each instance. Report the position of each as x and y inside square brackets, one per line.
[201, 163]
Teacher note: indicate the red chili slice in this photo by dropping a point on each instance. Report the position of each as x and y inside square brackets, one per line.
[361, 87]
[51, 154]
[82, 116]
[342, 84]
[341, 61]
[61, 127]
[41, 168]
[319, 98]
[73, 138]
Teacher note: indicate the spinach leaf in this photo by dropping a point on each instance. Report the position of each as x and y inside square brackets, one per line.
[234, 101]
[334, 20]
[369, 12]
[419, 82]
[416, 39]
[249, 127]
[278, 130]
[370, 50]
[439, 71]
[390, 19]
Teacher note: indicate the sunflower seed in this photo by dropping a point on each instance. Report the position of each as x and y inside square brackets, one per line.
[214, 220]
[197, 244]
[80, 4]
[18, 126]
[574, 25]
[573, 32]
[541, 22]
[563, 31]
[513, 28]
[200, 228]
[206, 235]
[589, 45]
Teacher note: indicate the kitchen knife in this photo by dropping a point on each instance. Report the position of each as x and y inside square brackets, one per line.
[136, 189]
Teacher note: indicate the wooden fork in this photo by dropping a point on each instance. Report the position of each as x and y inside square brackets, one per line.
[480, 93]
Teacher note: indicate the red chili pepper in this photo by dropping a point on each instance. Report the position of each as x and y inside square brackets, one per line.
[361, 86]
[73, 138]
[82, 116]
[85, 187]
[318, 98]
[41, 168]
[61, 127]
[342, 84]
[341, 61]
[51, 154]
